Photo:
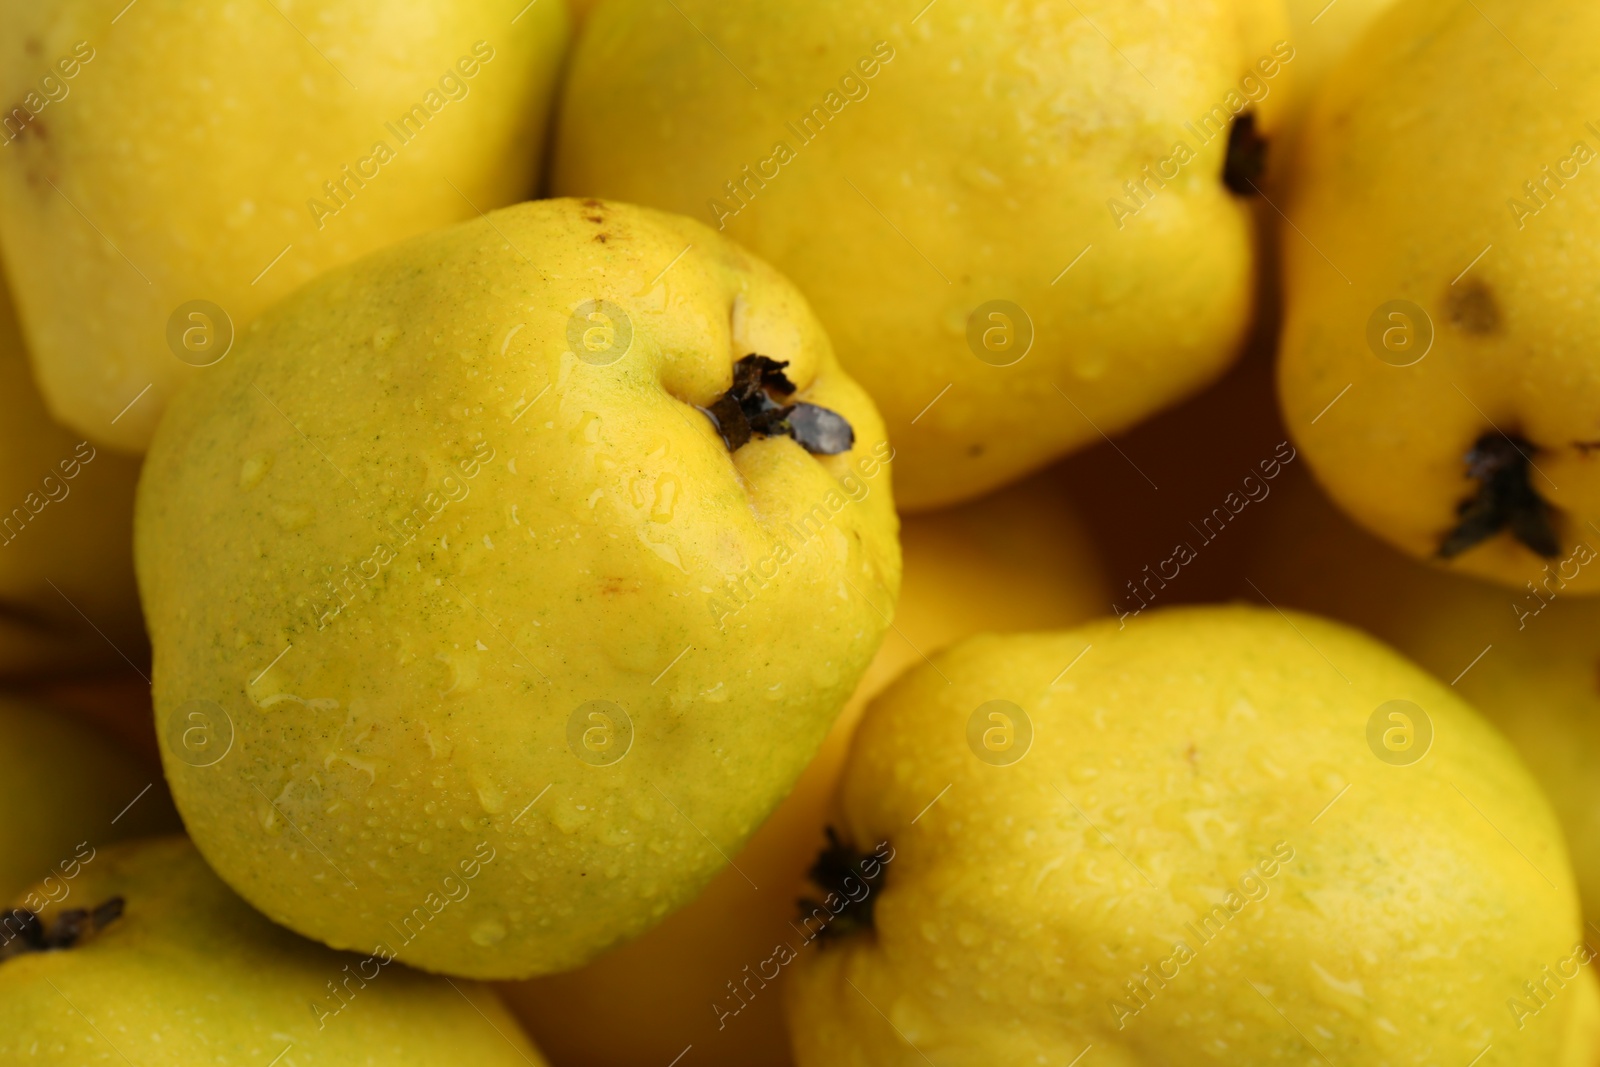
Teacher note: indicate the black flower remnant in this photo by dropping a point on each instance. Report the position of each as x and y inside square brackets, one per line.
[22, 931]
[850, 880]
[748, 409]
[1247, 156]
[1505, 498]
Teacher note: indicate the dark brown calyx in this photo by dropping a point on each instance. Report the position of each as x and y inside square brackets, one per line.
[1505, 500]
[850, 881]
[22, 931]
[751, 408]
[1247, 156]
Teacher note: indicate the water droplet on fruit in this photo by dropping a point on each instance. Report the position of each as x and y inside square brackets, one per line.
[253, 470]
[488, 932]
[293, 516]
[491, 796]
[1091, 362]
[587, 428]
[667, 489]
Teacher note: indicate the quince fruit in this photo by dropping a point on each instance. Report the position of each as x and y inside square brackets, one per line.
[152, 960]
[1177, 841]
[1437, 363]
[1526, 661]
[559, 530]
[1021, 224]
[170, 170]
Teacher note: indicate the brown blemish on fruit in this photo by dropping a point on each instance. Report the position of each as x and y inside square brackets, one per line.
[975, 451]
[602, 237]
[1473, 309]
[1586, 447]
[595, 218]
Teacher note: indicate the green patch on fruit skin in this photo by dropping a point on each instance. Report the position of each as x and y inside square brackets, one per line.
[1505, 499]
[22, 931]
[851, 880]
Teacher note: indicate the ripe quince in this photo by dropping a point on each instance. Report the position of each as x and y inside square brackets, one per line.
[1189, 840]
[151, 959]
[1527, 660]
[560, 534]
[1023, 225]
[1437, 363]
[169, 170]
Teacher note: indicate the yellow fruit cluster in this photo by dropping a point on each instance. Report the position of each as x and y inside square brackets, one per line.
[971, 534]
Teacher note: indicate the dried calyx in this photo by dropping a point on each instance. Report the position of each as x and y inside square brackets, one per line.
[752, 408]
[23, 931]
[1505, 500]
[1247, 156]
[850, 880]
